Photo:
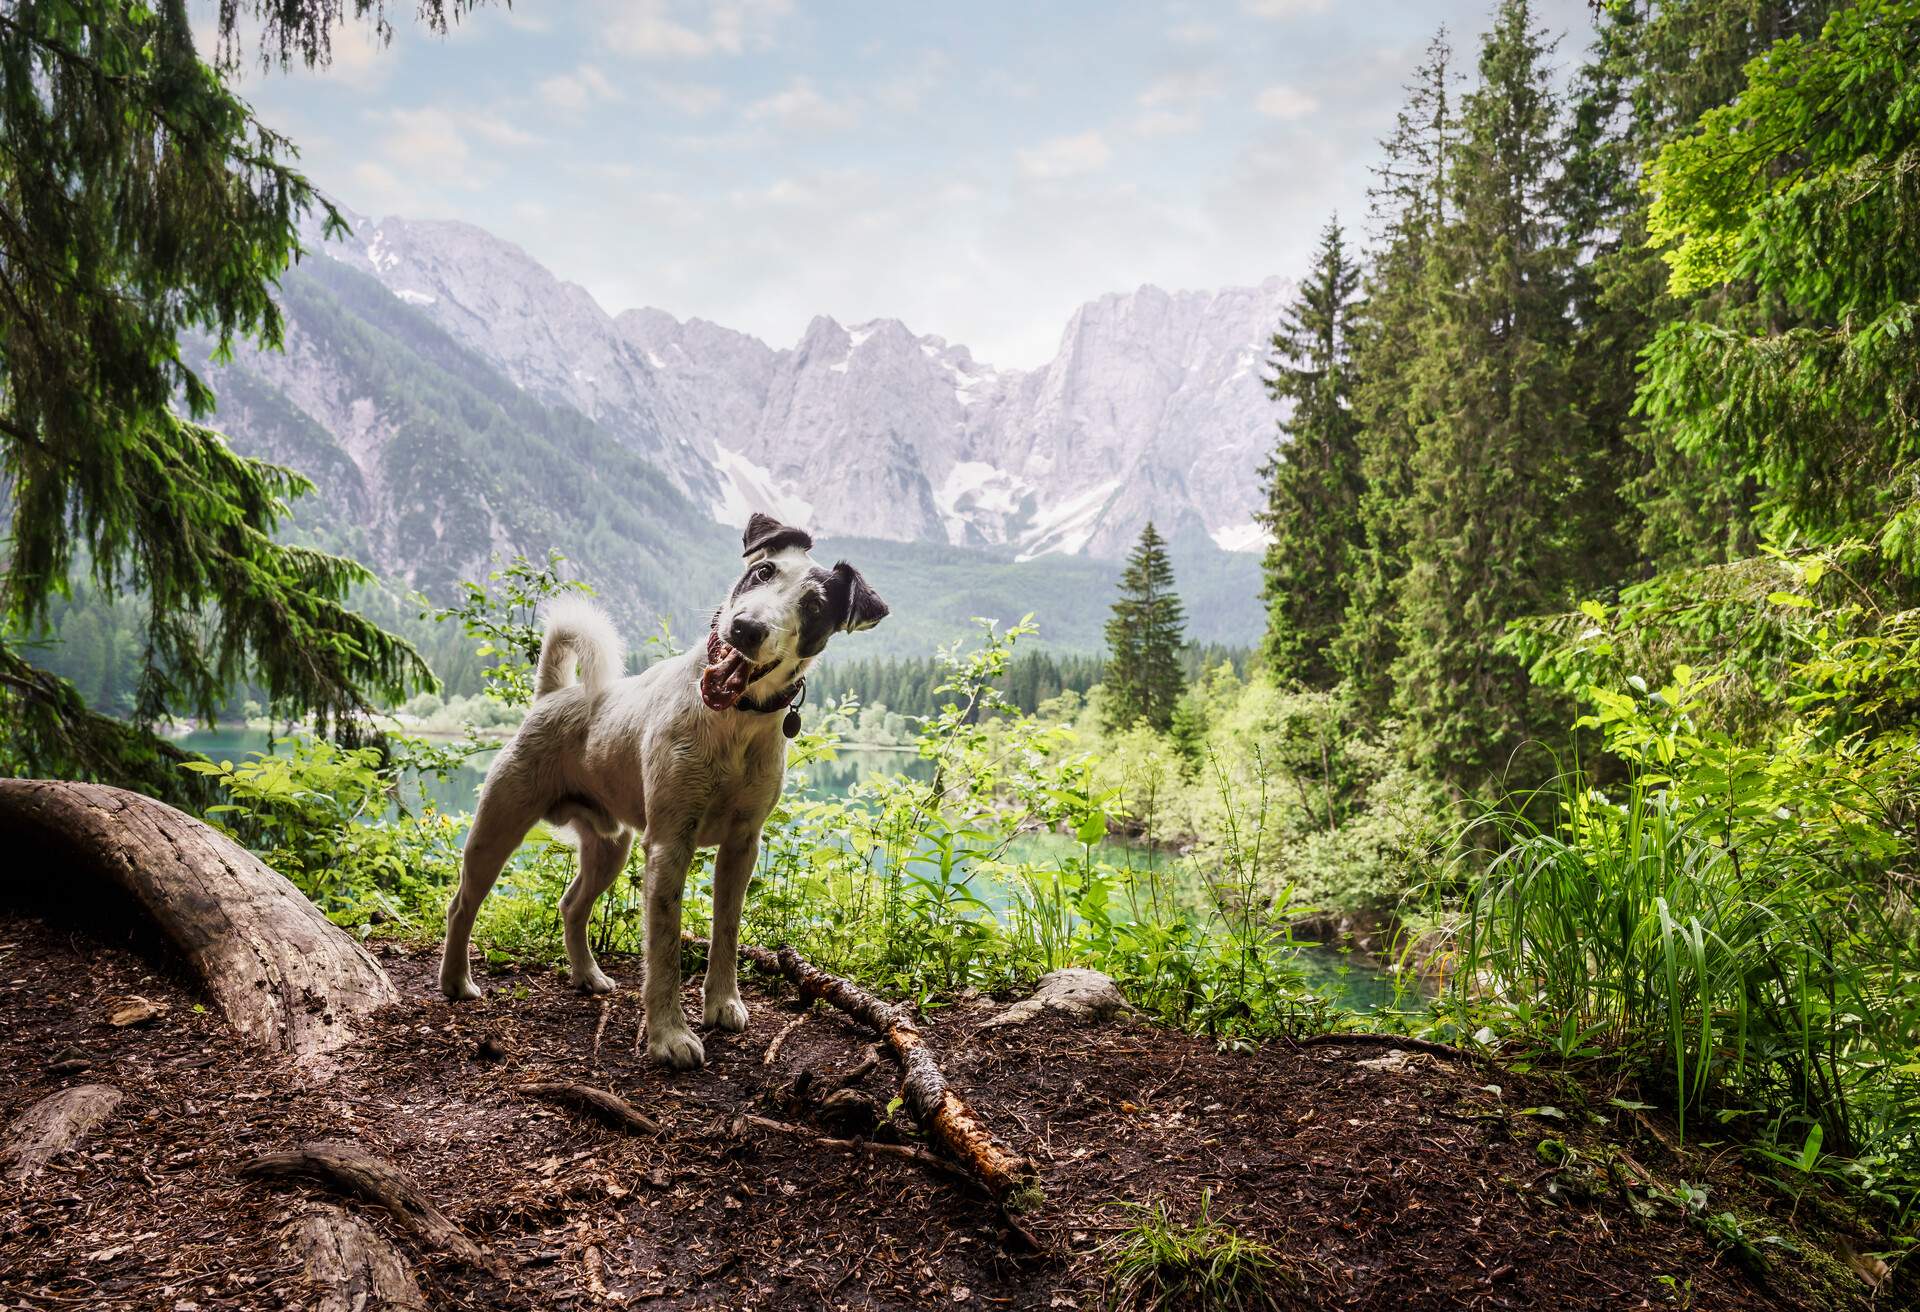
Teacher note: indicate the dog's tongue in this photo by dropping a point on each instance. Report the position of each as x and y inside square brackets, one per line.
[724, 681]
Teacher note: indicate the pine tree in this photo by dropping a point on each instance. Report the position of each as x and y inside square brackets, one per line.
[1144, 678]
[142, 200]
[1408, 207]
[1499, 443]
[1313, 478]
[1804, 188]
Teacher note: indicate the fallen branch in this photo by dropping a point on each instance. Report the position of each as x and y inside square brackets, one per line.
[610, 1108]
[905, 1152]
[600, 1029]
[773, 1049]
[939, 1111]
[351, 1169]
[55, 1124]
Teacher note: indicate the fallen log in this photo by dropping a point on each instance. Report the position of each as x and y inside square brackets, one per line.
[281, 974]
[53, 1125]
[940, 1112]
[348, 1168]
[610, 1108]
[350, 1268]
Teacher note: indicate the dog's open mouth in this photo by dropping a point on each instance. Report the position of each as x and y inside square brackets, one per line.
[724, 682]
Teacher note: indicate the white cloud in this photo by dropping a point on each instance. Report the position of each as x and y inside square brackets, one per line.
[574, 91]
[1283, 8]
[1180, 88]
[428, 144]
[1166, 123]
[693, 99]
[1066, 157]
[1193, 34]
[1285, 102]
[500, 132]
[662, 29]
[802, 108]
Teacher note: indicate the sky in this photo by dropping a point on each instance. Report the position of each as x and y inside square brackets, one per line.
[977, 170]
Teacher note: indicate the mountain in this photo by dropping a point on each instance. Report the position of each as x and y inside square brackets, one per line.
[453, 402]
[1153, 408]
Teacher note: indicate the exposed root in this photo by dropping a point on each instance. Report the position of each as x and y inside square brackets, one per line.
[351, 1169]
[348, 1266]
[905, 1152]
[53, 1125]
[609, 1108]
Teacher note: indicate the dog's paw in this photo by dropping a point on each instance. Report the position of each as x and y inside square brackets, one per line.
[677, 1048]
[595, 980]
[724, 1013]
[461, 989]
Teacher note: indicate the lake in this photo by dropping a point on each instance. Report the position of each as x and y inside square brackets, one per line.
[1355, 984]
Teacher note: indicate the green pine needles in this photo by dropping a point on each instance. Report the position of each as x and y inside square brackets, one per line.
[1144, 638]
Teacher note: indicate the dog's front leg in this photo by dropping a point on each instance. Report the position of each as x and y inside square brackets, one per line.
[670, 1040]
[720, 1003]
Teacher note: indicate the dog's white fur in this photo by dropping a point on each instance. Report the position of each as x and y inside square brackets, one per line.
[614, 756]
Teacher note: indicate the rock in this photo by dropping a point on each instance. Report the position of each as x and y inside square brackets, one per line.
[1085, 994]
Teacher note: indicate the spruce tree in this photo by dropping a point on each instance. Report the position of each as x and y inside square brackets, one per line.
[1144, 679]
[1409, 206]
[1498, 446]
[1313, 478]
[140, 200]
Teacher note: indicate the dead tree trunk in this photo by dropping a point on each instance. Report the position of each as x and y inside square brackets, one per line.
[281, 973]
[941, 1112]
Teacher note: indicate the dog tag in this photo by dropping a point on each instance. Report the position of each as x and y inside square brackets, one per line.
[791, 725]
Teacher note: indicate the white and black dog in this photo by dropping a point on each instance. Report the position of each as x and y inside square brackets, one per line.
[690, 754]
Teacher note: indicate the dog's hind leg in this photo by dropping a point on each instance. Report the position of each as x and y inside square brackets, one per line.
[498, 826]
[670, 1040]
[720, 1003]
[601, 860]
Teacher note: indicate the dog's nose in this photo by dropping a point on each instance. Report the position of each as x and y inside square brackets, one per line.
[746, 635]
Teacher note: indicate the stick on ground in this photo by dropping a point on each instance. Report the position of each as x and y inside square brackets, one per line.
[940, 1112]
[610, 1108]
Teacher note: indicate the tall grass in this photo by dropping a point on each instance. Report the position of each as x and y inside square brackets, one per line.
[1743, 977]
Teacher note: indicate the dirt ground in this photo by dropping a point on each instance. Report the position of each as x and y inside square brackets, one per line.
[1378, 1183]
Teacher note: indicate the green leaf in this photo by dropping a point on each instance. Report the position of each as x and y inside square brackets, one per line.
[1789, 599]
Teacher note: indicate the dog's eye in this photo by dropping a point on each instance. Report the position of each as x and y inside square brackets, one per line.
[764, 571]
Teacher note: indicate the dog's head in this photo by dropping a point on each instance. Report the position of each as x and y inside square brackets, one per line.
[781, 613]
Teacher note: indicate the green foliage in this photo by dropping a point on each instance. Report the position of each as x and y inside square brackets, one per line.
[1489, 472]
[143, 200]
[1144, 639]
[1159, 1264]
[1806, 187]
[502, 614]
[1314, 477]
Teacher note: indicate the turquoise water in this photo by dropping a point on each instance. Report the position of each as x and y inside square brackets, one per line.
[1356, 985]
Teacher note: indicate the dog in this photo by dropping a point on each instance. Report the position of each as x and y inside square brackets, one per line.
[689, 754]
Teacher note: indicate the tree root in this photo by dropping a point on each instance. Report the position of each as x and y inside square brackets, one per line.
[281, 974]
[54, 1124]
[351, 1169]
[944, 1116]
[609, 1108]
[905, 1152]
[349, 1267]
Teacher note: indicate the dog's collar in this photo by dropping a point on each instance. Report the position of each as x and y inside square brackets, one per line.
[793, 695]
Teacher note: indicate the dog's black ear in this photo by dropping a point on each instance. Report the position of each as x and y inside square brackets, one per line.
[855, 605]
[765, 533]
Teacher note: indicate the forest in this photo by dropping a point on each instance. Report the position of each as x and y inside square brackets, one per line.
[1559, 837]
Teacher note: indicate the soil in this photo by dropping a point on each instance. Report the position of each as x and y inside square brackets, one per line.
[1377, 1182]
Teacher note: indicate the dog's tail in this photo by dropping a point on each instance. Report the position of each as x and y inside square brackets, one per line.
[578, 632]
